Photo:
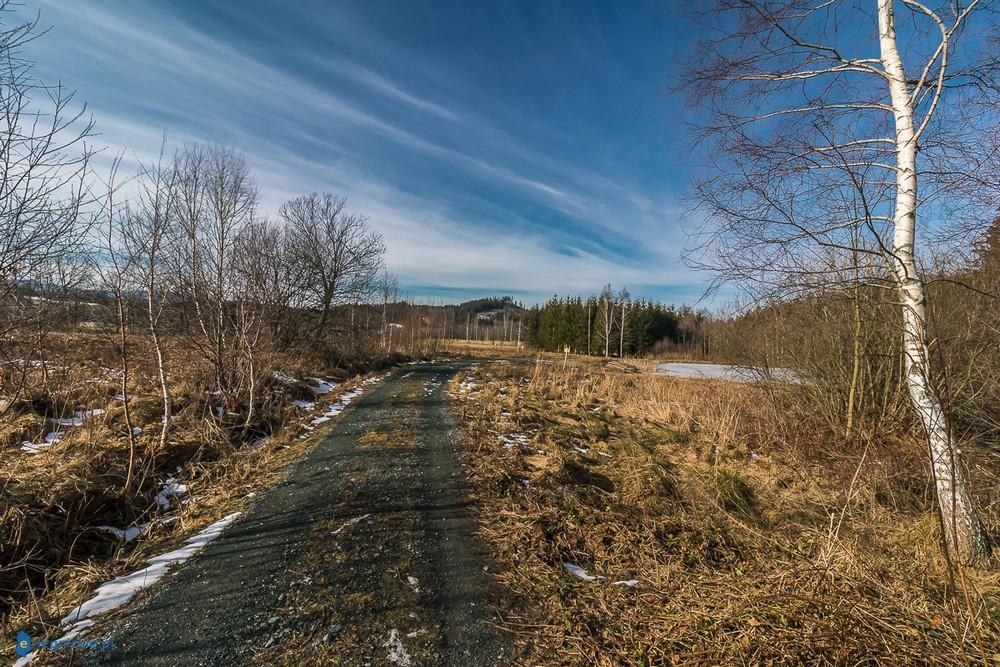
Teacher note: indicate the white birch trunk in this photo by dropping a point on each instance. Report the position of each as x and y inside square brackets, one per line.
[964, 534]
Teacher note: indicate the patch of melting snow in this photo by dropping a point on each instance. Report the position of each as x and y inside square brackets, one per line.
[33, 363]
[305, 405]
[170, 488]
[115, 593]
[581, 573]
[322, 386]
[397, 652]
[335, 408]
[124, 534]
[511, 440]
[626, 582]
[578, 448]
[31, 447]
[78, 418]
[728, 372]
[284, 379]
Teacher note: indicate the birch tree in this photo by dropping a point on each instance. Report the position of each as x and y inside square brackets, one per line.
[606, 316]
[216, 199]
[149, 231]
[838, 129]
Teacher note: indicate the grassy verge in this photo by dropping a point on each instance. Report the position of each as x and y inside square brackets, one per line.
[744, 535]
[53, 502]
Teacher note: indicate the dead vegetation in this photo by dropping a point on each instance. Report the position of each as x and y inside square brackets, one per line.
[59, 501]
[750, 535]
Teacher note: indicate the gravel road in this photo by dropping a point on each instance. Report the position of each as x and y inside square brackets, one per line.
[363, 555]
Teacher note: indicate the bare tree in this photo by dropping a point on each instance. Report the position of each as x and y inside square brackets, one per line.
[114, 267]
[340, 257]
[388, 293]
[817, 113]
[44, 185]
[149, 232]
[623, 297]
[216, 200]
[606, 316]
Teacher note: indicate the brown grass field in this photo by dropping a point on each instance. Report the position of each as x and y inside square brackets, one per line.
[751, 535]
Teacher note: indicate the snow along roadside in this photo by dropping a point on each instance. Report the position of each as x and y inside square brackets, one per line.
[117, 592]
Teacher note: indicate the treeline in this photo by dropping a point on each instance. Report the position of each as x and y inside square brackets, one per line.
[612, 324]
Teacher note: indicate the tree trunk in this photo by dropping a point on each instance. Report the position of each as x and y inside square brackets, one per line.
[588, 328]
[123, 348]
[621, 338]
[964, 534]
[161, 365]
[852, 394]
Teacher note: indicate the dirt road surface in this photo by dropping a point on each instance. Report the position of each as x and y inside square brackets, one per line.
[363, 555]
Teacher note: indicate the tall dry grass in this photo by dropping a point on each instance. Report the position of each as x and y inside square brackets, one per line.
[52, 502]
[755, 536]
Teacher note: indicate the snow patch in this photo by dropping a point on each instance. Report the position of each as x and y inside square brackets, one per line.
[124, 534]
[170, 488]
[728, 373]
[580, 573]
[287, 380]
[397, 652]
[335, 408]
[322, 386]
[115, 593]
[78, 418]
[511, 440]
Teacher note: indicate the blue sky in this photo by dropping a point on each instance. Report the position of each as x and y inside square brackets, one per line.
[524, 148]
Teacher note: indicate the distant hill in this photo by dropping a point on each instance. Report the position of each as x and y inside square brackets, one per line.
[489, 305]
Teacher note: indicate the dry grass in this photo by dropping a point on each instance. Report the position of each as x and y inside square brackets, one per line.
[51, 553]
[754, 538]
[488, 348]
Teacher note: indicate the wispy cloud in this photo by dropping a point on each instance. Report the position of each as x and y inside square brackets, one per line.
[465, 196]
